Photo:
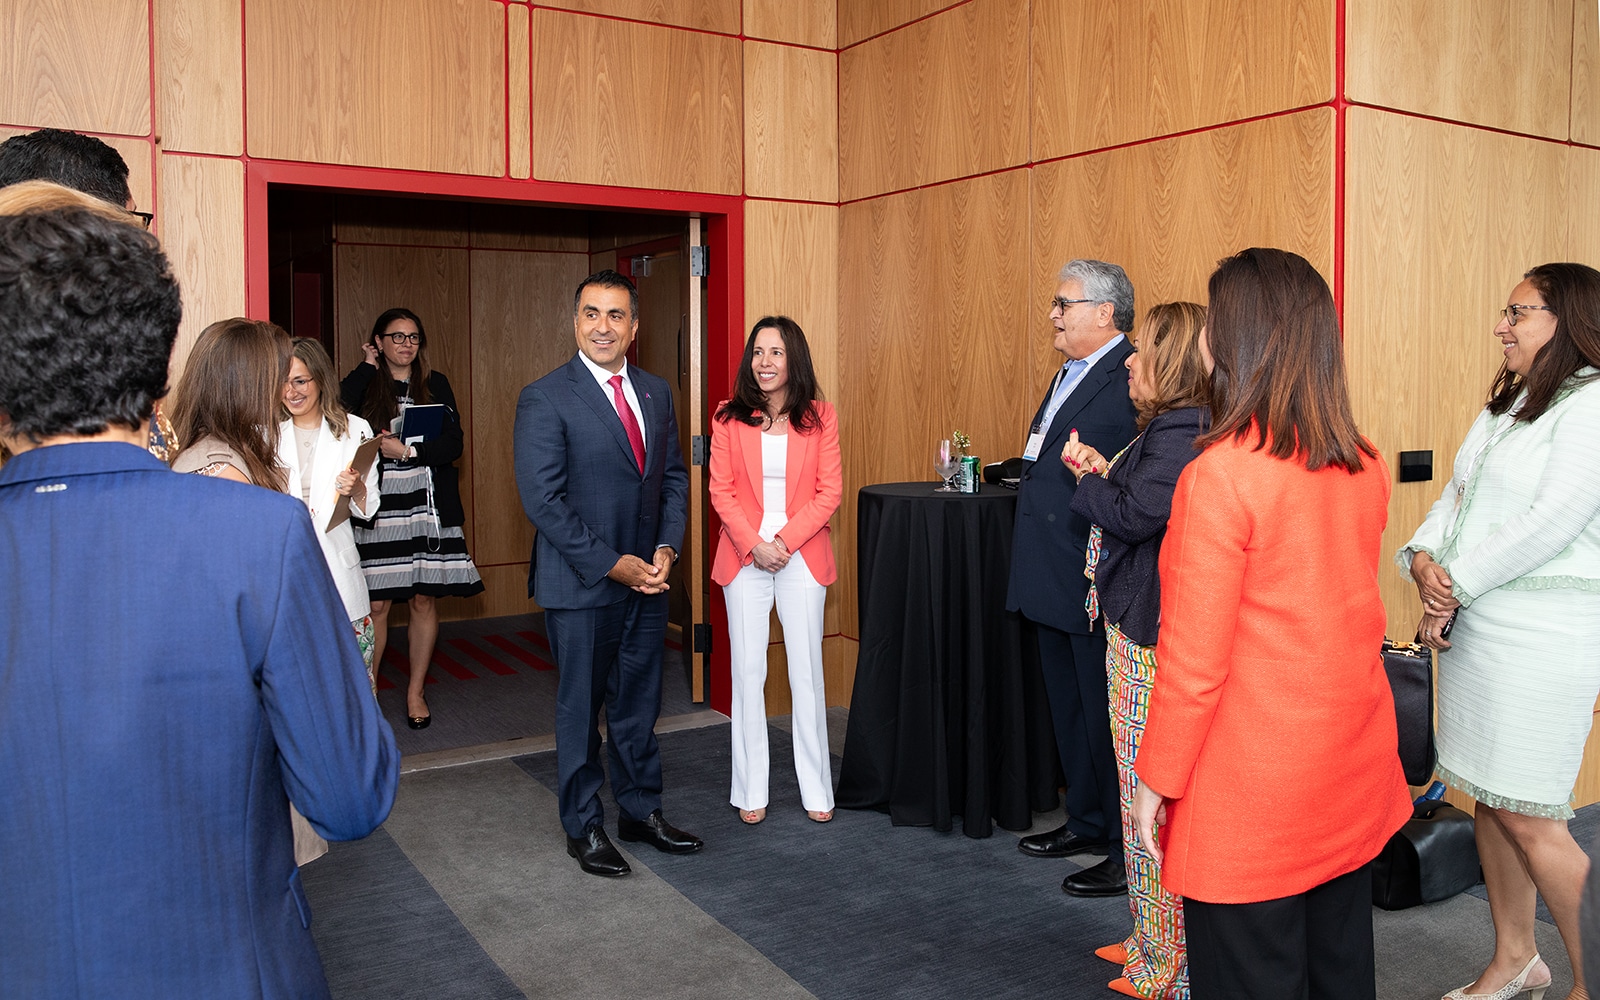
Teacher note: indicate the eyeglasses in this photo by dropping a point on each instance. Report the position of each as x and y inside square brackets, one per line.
[1060, 303]
[1512, 315]
[144, 218]
[399, 337]
[299, 383]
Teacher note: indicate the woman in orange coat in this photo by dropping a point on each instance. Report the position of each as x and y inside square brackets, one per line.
[1270, 747]
[776, 478]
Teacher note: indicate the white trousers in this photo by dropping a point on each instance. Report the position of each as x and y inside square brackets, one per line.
[799, 598]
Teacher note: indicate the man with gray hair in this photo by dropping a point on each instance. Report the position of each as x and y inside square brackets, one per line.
[1091, 314]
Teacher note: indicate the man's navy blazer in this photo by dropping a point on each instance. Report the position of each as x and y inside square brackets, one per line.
[582, 488]
[1047, 583]
[175, 667]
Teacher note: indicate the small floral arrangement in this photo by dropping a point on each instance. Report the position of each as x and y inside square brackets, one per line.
[960, 443]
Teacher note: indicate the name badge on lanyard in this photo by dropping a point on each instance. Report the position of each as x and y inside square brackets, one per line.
[1035, 445]
[1036, 432]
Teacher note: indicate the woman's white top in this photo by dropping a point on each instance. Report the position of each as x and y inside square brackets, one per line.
[1522, 509]
[774, 485]
[329, 456]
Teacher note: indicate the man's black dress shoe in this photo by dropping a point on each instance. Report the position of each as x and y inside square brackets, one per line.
[595, 853]
[1058, 843]
[1108, 878]
[658, 833]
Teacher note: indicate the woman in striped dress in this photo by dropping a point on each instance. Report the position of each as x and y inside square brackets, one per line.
[1128, 500]
[414, 550]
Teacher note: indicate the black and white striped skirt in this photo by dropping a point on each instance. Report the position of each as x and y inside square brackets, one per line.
[405, 552]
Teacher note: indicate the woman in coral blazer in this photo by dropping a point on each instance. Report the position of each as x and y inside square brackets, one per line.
[1270, 741]
[776, 479]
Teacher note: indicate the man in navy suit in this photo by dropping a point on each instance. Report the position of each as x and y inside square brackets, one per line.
[1092, 313]
[602, 480]
[176, 666]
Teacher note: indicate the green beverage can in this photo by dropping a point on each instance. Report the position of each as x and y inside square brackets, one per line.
[971, 474]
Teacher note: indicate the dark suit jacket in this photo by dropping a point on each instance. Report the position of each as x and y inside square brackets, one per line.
[175, 667]
[1047, 582]
[582, 489]
[1132, 506]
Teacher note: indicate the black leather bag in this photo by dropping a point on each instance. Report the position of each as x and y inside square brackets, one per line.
[1433, 857]
[1410, 669]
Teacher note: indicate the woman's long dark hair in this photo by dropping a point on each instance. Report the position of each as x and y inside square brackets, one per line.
[231, 388]
[749, 402]
[1274, 337]
[1572, 291]
[379, 405]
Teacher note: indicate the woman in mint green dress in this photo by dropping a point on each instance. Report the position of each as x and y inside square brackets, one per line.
[1512, 550]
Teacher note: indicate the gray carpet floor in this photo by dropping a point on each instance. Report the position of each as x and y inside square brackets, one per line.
[493, 680]
[467, 892]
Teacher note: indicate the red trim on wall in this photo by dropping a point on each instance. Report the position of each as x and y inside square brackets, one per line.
[907, 24]
[1341, 108]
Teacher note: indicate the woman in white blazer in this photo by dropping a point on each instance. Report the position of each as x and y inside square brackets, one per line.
[317, 442]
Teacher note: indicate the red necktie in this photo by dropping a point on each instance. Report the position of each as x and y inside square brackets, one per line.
[629, 424]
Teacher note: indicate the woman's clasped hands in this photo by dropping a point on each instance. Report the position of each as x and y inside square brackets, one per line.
[1438, 599]
[770, 556]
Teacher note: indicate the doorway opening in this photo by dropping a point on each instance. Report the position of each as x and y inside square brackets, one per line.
[493, 281]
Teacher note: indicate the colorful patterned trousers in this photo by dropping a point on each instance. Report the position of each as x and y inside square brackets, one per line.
[1157, 964]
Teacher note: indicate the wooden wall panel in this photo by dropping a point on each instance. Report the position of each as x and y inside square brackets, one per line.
[136, 153]
[199, 76]
[791, 268]
[1502, 63]
[791, 123]
[408, 221]
[944, 98]
[413, 84]
[432, 282]
[1168, 211]
[937, 331]
[1441, 222]
[860, 19]
[1104, 74]
[521, 330]
[519, 82]
[803, 22]
[202, 231]
[1585, 125]
[1583, 206]
[78, 64]
[709, 15]
[636, 105]
[528, 227]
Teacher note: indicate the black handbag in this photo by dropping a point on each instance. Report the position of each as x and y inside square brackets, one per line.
[1433, 857]
[1410, 669]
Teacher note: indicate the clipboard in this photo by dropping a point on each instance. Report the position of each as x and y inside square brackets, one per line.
[364, 457]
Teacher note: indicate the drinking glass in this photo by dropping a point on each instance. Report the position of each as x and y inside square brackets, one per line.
[946, 464]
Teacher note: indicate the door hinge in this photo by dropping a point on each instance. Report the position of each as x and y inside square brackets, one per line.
[702, 637]
[699, 262]
[697, 449]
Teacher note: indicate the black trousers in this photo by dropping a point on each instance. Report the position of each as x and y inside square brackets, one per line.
[1313, 946]
[1074, 668]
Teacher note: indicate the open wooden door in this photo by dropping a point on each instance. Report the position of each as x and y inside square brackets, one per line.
[671, 344]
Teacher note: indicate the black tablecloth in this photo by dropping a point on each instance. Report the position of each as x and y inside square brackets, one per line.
[949, 714]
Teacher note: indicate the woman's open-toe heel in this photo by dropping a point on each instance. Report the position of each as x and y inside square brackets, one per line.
[819, 817]
[752, 816]
[1516, 987]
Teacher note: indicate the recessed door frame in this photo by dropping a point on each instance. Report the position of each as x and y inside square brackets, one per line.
[723, 217]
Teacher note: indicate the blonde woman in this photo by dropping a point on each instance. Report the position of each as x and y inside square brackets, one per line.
[317, 442]
[1128, 500]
